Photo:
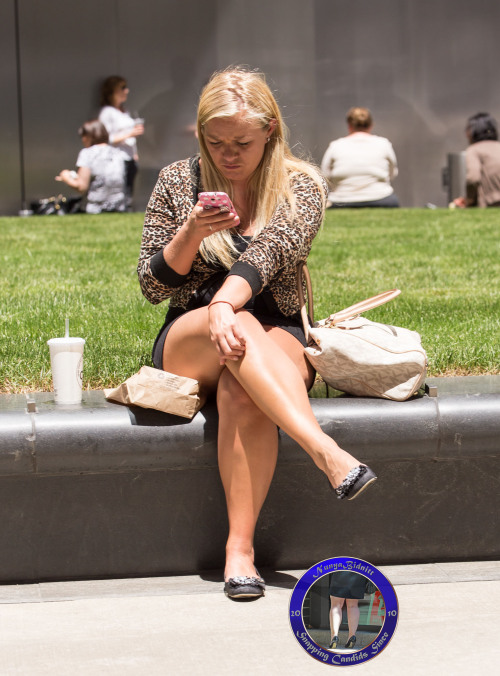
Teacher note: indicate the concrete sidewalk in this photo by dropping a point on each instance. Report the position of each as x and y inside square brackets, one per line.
[449, 623]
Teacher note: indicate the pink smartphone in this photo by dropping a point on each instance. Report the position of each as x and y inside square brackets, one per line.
[216, 200]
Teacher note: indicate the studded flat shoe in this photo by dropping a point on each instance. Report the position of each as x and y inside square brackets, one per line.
[355, 482]
[243, 587]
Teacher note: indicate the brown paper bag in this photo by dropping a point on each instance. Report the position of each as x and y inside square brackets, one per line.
[163, 391]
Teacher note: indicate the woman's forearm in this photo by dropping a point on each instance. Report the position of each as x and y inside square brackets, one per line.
[136, 130]
[181, 251]
[79, 181]
[119, 138]
[235, 290]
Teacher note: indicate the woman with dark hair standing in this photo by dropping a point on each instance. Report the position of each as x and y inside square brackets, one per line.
[101, 171]
[482, 159]
[122, 128]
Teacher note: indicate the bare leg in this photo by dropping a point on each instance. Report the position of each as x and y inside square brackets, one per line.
[248, 449]
[273, 381]
[352, 616]
[253, 395]
[336, 605]
[271, 378]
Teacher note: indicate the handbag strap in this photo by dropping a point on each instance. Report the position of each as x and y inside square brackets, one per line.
[307, 315]
[363, 306]
[336, 317]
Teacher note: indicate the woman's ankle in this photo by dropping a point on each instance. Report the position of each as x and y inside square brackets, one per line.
[337, 467]
[239, 562]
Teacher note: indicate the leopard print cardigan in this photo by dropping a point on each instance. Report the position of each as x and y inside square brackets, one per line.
[269, 261]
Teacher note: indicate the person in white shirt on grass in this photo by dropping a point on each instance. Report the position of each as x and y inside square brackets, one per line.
[359, 167]
[101, 171]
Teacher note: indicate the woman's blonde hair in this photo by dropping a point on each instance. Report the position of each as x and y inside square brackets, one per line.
[239, 90]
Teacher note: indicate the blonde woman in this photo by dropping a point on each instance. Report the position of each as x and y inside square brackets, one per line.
[233, 322]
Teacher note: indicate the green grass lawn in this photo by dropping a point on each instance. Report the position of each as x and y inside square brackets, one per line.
[84, 267]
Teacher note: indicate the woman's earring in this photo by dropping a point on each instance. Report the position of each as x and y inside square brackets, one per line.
[268, 139]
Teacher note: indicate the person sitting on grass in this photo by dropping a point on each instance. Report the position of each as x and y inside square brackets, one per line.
[360, 166]
[233, 322]
[482, 162]
[101, 171]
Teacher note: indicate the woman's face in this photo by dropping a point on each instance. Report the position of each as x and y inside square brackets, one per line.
[236, 145]
[120, 94]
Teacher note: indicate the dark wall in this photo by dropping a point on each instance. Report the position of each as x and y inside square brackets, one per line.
[422, 66]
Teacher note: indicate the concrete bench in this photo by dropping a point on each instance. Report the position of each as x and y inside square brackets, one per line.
[102, 490]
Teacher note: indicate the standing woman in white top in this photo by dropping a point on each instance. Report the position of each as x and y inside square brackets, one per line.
[122, 128]
[359, 167]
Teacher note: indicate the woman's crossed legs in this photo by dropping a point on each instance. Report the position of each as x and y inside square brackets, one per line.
[265, 388]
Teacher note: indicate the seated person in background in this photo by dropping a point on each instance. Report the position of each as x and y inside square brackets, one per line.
[101, 171]
[482, 161]
[360, 166]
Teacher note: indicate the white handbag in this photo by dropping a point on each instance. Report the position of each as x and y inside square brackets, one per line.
[358, 356]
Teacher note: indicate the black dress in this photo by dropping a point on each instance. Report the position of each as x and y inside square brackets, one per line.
[347, 585]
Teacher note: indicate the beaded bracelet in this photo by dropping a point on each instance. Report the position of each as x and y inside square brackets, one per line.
[214, 302]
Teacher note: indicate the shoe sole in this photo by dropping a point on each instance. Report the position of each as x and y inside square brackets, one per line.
[364, 487]
[243, 596]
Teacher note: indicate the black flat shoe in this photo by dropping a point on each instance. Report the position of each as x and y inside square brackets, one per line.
[243, 587]
[334, 643]
[355, 482]
[351, 642]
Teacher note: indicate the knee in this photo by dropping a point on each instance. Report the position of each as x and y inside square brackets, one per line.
[232, 397]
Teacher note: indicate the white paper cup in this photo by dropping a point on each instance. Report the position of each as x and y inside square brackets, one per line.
[66, 359]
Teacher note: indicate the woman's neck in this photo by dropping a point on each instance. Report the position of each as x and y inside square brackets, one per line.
[243, 208]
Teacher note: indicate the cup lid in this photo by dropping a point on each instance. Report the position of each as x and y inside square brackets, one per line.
[66, 341]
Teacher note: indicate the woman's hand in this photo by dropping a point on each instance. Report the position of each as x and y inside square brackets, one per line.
[137, 130]
[225, 331]
[67, 176]
[78, 180]
[202, 222]
[181, 251]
